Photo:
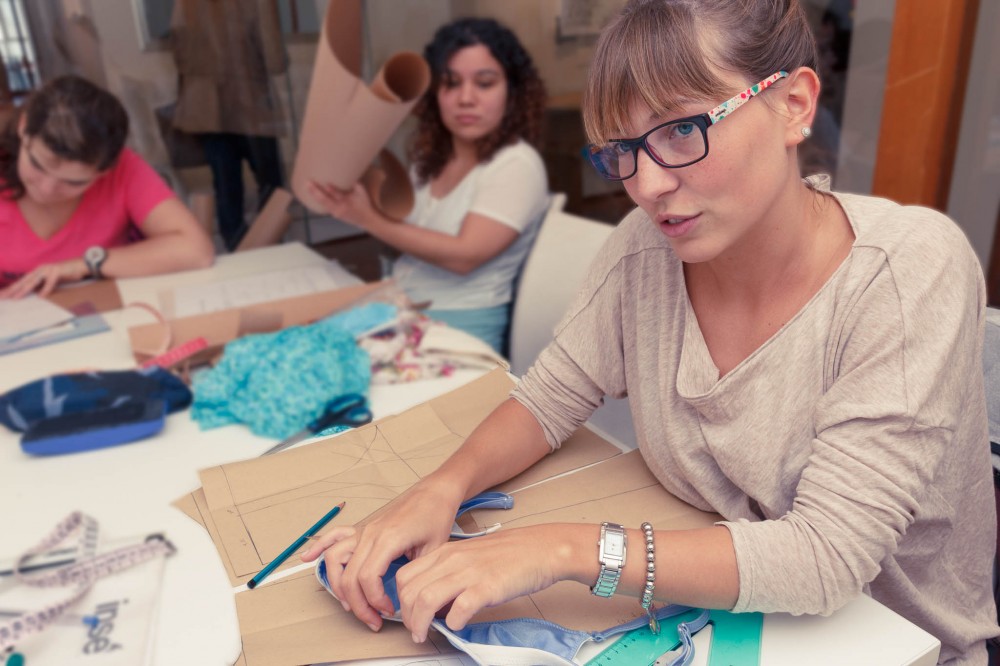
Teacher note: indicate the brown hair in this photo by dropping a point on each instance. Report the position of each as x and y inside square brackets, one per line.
[666, 52]
[432, 146]
[76, 120]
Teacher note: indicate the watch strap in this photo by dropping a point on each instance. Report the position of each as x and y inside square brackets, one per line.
[94, 263]
[611, 556]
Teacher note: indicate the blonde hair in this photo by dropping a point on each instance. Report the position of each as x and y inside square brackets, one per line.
[664, 53]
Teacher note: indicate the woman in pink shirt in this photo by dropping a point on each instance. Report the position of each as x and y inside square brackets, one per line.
[75, 203]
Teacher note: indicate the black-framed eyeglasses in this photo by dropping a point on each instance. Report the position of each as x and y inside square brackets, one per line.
[674, 144]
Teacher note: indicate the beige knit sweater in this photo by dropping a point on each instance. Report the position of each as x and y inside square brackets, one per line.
[848, 454]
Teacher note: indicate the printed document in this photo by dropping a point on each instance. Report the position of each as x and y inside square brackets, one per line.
[262, 288]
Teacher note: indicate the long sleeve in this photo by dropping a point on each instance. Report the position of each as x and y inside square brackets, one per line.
[847, 454]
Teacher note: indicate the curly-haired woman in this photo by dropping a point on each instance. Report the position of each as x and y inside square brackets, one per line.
[481, 186]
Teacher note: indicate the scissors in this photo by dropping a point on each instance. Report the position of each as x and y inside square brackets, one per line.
[350, 409]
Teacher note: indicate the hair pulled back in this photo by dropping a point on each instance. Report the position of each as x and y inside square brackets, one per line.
[663, 53]
[75, 119]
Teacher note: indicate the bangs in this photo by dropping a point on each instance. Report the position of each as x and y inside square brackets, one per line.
[63, 136]
[653, 54]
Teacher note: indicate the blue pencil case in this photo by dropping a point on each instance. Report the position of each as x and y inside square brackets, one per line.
[96, 429]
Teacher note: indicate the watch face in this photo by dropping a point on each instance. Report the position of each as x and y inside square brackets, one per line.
[95, 254]
[614, 544]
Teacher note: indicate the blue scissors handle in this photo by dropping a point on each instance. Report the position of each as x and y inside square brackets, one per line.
[350, 409]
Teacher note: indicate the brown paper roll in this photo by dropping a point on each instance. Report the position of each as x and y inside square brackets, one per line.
[388, 185]
[347, 123]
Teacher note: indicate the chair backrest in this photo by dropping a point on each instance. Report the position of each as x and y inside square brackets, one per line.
[552, 275]
[991, 374]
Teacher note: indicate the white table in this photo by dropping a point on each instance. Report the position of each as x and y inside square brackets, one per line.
[129, 489]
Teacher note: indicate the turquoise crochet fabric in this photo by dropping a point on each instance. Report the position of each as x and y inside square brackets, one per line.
[277, 383]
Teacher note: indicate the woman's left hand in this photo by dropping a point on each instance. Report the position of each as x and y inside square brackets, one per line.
[353, 206]
[45, 278]
[479, 573]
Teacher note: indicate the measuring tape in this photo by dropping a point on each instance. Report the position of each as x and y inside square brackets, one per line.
[177, 354]
[735, 641]
[82, 574]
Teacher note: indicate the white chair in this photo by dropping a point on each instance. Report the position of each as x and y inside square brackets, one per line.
[559, 260]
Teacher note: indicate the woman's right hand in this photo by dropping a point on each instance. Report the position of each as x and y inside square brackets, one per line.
[415, 523]
[352, 205]
[45, 278]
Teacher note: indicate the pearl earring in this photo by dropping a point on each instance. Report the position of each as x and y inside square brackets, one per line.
[806, 132]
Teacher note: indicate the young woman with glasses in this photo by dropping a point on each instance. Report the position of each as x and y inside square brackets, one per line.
[481, 186]
[805, 363]
[76, 203]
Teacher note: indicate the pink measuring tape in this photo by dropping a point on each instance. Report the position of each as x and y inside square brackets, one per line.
[81, 574]
[177, 354]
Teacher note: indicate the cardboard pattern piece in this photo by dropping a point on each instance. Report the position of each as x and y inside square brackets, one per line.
[88, 297]
[347, 123]
[220, 327]
[261, 505]
[271, 222]
[253, 509]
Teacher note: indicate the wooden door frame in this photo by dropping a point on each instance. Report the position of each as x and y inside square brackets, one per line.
[928, 69]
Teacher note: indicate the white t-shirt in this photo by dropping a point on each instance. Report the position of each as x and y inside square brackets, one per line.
[512, 189]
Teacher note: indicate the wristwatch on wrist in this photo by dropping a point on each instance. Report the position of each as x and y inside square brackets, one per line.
[611, 555]
[94, 257]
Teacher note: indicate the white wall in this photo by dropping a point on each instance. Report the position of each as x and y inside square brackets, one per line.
[563, 64]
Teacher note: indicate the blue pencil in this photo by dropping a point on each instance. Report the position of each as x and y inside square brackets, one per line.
[286, 553]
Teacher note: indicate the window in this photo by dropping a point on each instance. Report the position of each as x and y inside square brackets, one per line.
[19, 74]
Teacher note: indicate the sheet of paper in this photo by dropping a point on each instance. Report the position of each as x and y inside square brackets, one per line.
[31, 313]
[262, 288]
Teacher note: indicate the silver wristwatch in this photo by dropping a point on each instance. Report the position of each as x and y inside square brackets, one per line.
[611, 555]
[93, 258]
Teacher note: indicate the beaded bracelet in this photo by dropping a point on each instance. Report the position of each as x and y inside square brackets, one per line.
[647, 592]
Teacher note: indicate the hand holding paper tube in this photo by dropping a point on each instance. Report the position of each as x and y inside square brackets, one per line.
[347, 123]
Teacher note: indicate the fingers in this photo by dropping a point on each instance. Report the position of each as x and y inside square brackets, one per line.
[327, 540]
[49, 283]
[43, 279]
[328, 196]
[420, 597]
[336, 558]
[24, 286]
[428, 585]
[338, 547]
[362, 583]
[351, 205]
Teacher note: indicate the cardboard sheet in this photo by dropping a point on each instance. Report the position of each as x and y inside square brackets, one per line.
[220, 327]
[621, 490]
[291, 622]
[88, 297]
[297, 622]
[347, 122]
[253, 509]
[271, 222]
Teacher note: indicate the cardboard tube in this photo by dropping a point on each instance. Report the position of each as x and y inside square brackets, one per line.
[388, 185]
[346, 123]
